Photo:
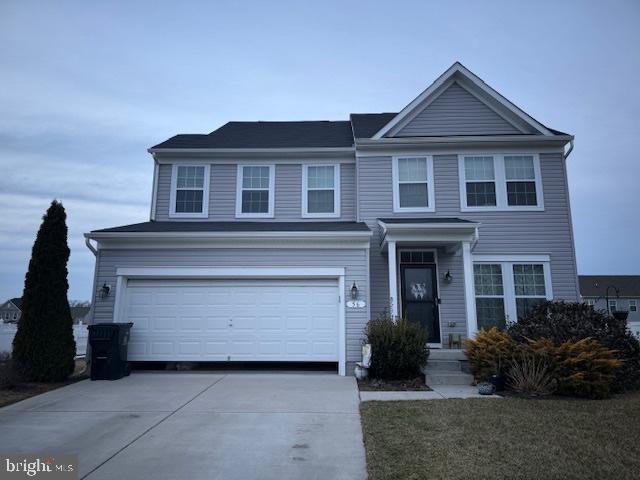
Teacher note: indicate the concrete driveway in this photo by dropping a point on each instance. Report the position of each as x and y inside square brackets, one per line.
[197, 426]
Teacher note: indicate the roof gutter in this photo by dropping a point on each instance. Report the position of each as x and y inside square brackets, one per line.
[87, 242]
[224, 235]
[153, 150]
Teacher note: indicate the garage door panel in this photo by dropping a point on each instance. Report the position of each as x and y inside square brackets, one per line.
[240, 320]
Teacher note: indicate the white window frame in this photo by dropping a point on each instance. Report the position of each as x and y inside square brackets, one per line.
[500, 180]
[336, 191]
[590, 301]
[239, 189]
[613, 306]
[633, 304]
[431, 196]
[508, 285]
[205, 192]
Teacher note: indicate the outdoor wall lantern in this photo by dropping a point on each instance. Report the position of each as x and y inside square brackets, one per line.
[354, 291]
[448, 277]
[105, 290]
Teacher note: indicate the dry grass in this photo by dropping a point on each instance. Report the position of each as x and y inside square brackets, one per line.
[509, 438]
[24, 390]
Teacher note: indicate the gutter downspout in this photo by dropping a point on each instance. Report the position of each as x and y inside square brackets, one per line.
[87, 242]
[566, 155]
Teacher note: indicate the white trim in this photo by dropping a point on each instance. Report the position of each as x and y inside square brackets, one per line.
[271, 190]
[500, 183]
[509, 296]
[512, 258]
[260, 151]
[230, 272]
[433, 89]
[431, 197]
[469, 290]
[205, 191]
[336, 191]
[393, 279]
[633, 303]
[123, 274]
[154, 191]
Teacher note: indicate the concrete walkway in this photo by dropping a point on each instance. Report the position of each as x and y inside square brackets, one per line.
[438, 392]
[197, 426]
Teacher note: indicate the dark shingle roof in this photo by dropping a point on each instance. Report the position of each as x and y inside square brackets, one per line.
[596, 285]
[17, 302]
[152, 227]
[269, 135]
[365, 125]
[426, 220]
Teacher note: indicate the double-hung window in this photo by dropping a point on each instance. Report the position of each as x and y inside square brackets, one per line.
[413, 186]
[613, 305]
[255, 191]
[633, 305]
[508, 287]
[321, 190]
[190, 191]
[500, 182]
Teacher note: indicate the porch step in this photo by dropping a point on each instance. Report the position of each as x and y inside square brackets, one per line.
[448, 378]
[443, 366]
[446, 354]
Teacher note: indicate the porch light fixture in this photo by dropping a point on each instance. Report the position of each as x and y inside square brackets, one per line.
[105, 290]
[354, 291]
[448, 277]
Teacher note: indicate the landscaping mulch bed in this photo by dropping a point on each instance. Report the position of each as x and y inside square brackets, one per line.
[506, 438]
[375, 385]
[14, 393]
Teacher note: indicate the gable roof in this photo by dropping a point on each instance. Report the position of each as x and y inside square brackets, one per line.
[17, 302]
[596, 285]
[459, 72]
[340, 134]
[304, 134]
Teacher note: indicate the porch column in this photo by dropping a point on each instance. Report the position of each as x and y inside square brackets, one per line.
[393, 280]
[469, 290]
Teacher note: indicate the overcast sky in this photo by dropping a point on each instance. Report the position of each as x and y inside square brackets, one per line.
[87, 87]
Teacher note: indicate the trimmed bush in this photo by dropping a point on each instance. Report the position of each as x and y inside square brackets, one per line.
[490, 353]
[585, 368]
[44, 347]
[562, 322]
[398, 348]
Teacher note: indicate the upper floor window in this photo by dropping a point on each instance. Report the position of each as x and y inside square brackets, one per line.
[413, 189]
[633, 305]
[190, 191]
[254, 196]
[613, 305]
[500, 182]
[321, 190]
[590, 302]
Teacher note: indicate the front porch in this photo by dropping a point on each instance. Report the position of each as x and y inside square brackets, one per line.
[430, 275]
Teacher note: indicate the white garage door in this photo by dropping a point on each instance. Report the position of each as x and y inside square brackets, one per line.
[233, 320]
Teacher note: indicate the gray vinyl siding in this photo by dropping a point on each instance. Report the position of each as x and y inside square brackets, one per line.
[353, 260]
[546, 232]
[456, 112]
[288, 192]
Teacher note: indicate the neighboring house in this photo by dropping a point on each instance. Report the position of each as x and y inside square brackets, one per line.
[278, 241]
[10, 311]
[623, 292]
[81, 315]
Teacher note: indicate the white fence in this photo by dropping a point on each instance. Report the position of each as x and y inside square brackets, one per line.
[8, 331]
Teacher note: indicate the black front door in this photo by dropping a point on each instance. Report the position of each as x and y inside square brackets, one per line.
[420, 297]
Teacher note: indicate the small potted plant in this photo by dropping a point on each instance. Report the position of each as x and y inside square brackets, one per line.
[498, 380]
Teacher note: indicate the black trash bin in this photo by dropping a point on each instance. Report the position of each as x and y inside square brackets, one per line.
[109, 343]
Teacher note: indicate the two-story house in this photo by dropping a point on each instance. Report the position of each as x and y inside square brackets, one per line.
[622, 292]
[278, 241]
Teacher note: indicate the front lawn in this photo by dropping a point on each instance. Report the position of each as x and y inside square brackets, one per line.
[503, 438]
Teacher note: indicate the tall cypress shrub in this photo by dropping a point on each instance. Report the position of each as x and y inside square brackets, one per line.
[44, 347]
